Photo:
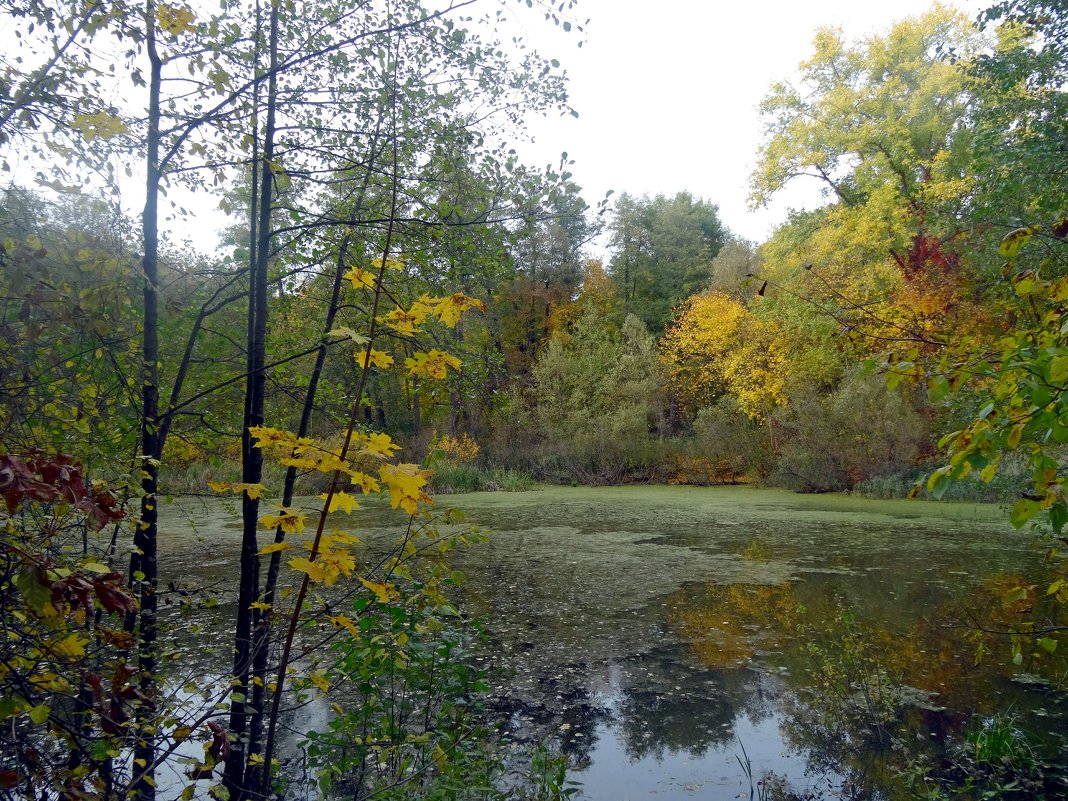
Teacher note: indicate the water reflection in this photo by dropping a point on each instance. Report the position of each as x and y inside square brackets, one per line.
[654, 632]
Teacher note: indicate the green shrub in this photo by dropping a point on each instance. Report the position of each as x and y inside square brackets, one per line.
[732, 442]
[412, 725]
[594, 411]
[832, 441]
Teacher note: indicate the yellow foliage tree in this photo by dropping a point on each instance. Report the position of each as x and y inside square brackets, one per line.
[695, 348]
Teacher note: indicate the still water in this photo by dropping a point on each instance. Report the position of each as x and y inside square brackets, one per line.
[683, 643]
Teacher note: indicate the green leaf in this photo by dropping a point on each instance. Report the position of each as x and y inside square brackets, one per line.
[1058, 368]
[937, 388]
[1023, 510]
[1058, 517]
[10, 705]
[39, 714]
[1048, 644]
[36, 591]
[938, 482]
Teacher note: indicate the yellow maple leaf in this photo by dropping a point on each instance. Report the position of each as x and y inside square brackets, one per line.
[314, 570]
[270, 437]
[254, 491]
[342, 622]
[401, 321]
[450, 309]
[380, 444]
[433, 364]
[391, 264]
[337, 561]
[383, 592]
[361, 279]
[329, 462]
[299, 462]
[425, 307]
[344, 537]
[341, 500]
[376, 357]
[366, 483]
[274, 546]
[289, 519]
[405, 482]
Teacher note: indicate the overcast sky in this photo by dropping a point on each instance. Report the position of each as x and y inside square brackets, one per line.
[668, 92]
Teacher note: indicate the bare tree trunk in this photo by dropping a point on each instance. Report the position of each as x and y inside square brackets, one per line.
[252, 457]
[143, 565]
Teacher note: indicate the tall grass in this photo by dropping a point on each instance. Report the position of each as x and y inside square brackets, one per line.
[191, 478]
[450, 478]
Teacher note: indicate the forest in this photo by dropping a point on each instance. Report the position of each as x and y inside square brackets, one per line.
[399, 306]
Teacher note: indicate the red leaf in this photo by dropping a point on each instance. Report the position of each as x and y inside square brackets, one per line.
[220, 745]
[114, 600]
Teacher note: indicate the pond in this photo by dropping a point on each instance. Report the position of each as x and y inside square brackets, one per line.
[683, 642]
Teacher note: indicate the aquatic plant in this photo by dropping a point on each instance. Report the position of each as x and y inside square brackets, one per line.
[408, 720]
[997, 742]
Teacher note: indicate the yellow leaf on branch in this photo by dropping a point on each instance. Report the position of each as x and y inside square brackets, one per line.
[377, 445]
[405, 483]
[314, 570]
[383, 592]
[175, 19]
[342, 622]
[377, 358]
[289, 519]
[433, 364]
[450, 309]
[341, 500]
[299, 462]
[366, 483]
[361, 279]
[273, 547]
[403, 322]
[254, 491]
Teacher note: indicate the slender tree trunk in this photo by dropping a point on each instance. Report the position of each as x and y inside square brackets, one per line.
[417, 417]
[298, 604]
[262, 620]
[251, 457]
[143, 566]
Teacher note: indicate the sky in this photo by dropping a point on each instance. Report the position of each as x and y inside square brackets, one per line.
[668, 93]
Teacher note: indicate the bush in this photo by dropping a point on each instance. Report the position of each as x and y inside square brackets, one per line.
[861, 431]
[732, 444]
[1006, 486]
[593, 411]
